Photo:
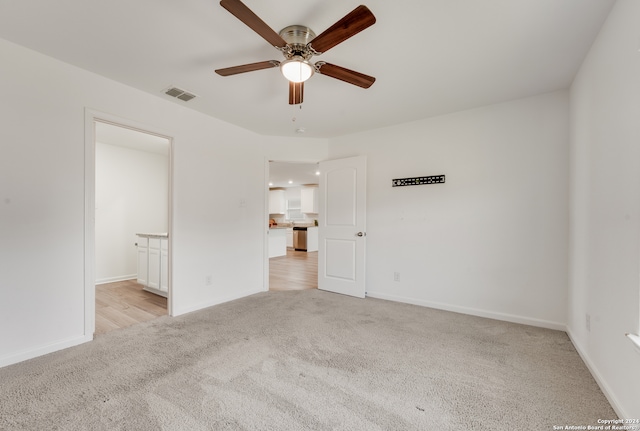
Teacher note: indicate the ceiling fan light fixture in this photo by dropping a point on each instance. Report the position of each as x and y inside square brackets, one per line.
[296, 69]
[298, 43]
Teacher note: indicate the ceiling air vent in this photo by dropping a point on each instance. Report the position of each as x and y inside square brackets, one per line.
[179, 93]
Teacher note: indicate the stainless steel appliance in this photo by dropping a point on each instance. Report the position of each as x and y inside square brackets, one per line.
[300, 238]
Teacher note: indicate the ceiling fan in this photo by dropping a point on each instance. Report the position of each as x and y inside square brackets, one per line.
[298, 44]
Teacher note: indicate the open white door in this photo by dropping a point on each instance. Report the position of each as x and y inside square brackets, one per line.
[342, 226]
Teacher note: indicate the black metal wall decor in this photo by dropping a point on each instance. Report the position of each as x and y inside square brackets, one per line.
[417, 181]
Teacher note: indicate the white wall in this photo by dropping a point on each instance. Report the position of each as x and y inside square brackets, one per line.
[492, 240]
[605, 207]
[132, 195]
[42, 199]
[285, 149]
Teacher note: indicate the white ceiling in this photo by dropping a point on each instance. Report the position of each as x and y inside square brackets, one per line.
[285, 174]
[430, 57]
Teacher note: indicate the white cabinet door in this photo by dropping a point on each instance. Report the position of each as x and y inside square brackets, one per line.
[277, 202]
[277, 242]
[312, 239]
[290, 237]
[154, 263]
[309, 200]
[143, 260]
[164, 265]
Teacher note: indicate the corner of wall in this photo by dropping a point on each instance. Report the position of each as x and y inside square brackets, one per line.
[604, 387]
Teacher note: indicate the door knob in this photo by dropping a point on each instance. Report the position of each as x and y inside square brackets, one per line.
[360, 234]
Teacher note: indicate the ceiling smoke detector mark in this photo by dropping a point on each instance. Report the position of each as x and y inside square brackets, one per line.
[179, 93]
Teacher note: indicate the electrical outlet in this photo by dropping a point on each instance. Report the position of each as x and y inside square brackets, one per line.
[208, 280]
[588, 321]
[396, 276]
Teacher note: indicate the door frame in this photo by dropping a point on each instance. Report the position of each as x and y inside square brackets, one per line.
[265, 222]
[267, 162]
[90, 118]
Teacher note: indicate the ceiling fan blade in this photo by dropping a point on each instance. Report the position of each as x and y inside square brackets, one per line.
[351, 24]
[253, 21]
[346, 75]
[296, 92]
[247, 67]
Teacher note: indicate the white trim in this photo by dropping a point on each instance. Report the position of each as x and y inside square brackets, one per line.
[265, 225]
[91, 116]
[43, 350]
[606, 390]
[217, 301]
[473, 311]
[635, 339]
[170, 228]
[89, 224]
[118, 278]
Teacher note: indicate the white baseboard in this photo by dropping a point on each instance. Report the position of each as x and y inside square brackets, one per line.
[606, 390]
[473, 311]
[217, 301]
[118, 278]
[39, 351]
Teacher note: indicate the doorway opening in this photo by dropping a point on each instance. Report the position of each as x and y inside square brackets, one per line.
[293, 231]
[131, 206]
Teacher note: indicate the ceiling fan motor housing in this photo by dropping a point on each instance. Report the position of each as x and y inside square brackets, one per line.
[297, 38]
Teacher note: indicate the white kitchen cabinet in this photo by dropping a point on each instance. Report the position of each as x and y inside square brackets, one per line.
[164, 265]
[277, 242]
[277, 202]
[153, 280]
[309, 200]
[153, 263]
[312, 239]
[143, 260]
[289, 237]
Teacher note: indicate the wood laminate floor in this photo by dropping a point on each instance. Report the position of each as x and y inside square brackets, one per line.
[124, 303]
[298, 270]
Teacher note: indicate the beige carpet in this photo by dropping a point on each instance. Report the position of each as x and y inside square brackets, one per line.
[308, 360]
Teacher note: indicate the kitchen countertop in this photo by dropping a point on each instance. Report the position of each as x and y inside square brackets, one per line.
[290, 227]
[154, 235]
